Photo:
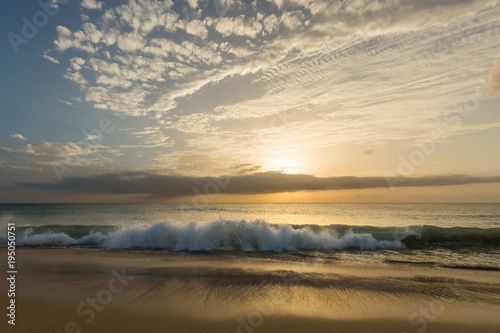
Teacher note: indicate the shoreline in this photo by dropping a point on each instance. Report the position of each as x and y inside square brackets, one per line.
[131, 291]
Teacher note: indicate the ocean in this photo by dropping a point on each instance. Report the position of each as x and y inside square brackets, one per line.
[462, 236]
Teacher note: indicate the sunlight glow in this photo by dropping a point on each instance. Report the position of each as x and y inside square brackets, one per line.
[285, 166]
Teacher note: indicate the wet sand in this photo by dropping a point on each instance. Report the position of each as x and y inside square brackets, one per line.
[61, 290]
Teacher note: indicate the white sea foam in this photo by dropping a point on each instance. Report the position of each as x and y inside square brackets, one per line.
[217, 235]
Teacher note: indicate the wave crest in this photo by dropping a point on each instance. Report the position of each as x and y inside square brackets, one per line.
[236, 235]
[218, 235]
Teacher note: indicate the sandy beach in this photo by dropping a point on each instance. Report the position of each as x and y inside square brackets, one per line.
[60, 290]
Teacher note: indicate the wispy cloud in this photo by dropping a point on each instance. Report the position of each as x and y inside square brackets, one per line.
[299, 30]
[373, 71]
[44, 154]
[494, 80]
[215, 77]
[19, 137]
[51, 59]
[150, 137]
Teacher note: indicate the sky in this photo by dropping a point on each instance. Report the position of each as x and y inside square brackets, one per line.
[250, 101]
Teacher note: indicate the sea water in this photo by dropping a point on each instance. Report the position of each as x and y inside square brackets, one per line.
[463, 236]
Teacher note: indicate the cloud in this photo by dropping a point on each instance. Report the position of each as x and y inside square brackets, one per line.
[65, 102]
[197, 28]
[292, 20]
[51, 59]
[92, 4]
[130, 42]
[81, 40]
[353, 71]
[493, 82]
[308, 25]
[94, 137]
[223, 7]
[193, 3]
[246, 168]
[238, 26]
[45, 153]
[191, 163]
[19, 137]
[150, 137]
[155, 185]
[369, 151]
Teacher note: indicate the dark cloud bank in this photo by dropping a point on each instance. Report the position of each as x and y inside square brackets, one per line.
[155, 185]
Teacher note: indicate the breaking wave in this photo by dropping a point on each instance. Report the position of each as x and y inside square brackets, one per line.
[230, 235]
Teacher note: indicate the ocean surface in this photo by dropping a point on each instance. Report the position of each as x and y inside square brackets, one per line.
[462, 236]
